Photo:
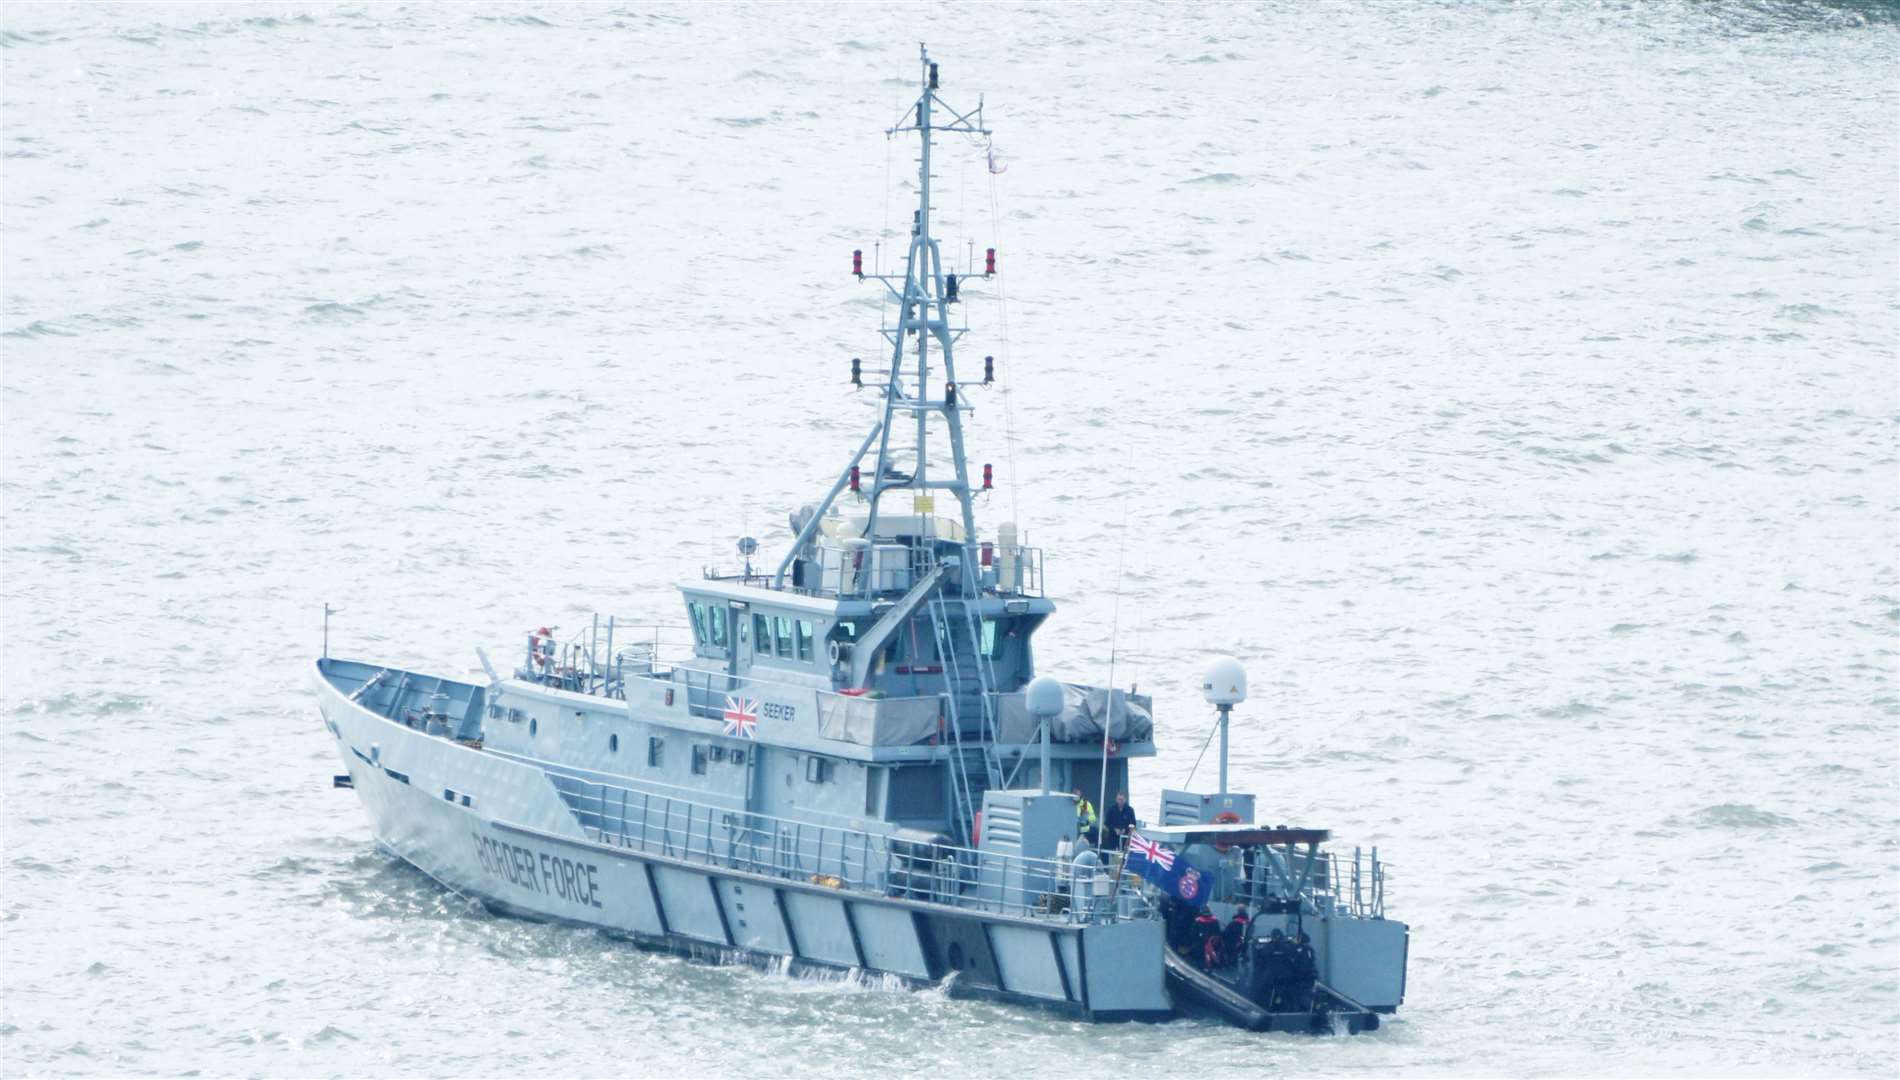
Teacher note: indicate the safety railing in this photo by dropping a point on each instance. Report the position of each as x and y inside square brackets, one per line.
[1359, 884]
[850, 859]
[601, 657]
[1270, 878]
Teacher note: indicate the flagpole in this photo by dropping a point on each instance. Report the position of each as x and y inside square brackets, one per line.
[1114, 628]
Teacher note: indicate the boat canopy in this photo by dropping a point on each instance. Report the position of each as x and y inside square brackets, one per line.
[1233, 834]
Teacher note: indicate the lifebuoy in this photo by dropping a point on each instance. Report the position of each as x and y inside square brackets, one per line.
[1225, 817]
[541, 646]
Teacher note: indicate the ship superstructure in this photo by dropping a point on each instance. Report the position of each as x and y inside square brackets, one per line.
[843, 763]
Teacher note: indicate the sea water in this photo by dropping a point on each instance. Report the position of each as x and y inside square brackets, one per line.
[1512, 388]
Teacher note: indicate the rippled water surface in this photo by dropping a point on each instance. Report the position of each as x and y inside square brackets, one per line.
[1513, 388]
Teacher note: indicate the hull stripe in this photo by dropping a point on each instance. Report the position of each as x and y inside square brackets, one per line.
[1055, 947]
[653, 890]
[725, 924]
[785, 920]
[851, 924]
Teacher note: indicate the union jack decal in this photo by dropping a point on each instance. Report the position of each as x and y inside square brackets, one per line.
[742, 717]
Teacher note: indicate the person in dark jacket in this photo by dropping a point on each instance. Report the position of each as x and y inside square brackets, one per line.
[1272, 966]
[1305, 969]
[1179, 919]
[1120, 821]
[1235, 933]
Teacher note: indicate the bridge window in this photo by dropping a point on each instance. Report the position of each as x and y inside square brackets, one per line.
[761, 635]
[818, 769]
[804, 639]
[784, 638]
[716, 626]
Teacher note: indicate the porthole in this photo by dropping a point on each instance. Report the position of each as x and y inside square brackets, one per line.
[533, 724]
[613, 744]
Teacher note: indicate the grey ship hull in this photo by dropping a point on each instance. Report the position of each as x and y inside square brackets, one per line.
[495, 828]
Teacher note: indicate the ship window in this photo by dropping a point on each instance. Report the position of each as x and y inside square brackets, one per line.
[515, 716]
[761, 635]
[716, 626]
[495, 712]
[533, 724]
[844, 630]
[818, 769]
[804, 639]
[916, 792]
[698, 611]
[699, 760]
[784, 636]
[613, 744]
[656, 751]
[989, 638]
[871, 777]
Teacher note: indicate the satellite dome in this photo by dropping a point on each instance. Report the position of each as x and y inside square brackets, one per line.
[1043, 698]
[1225, 682]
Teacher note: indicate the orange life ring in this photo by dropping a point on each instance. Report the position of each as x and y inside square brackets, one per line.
[1225, 817]
[541, 643]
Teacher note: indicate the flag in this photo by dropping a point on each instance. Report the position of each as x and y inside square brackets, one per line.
[742, 717]
[1148, 849]
[1166, 871]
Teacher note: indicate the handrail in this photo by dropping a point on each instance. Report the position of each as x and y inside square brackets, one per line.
[847, 859]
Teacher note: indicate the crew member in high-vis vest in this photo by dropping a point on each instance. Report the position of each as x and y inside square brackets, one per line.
[1085, 819]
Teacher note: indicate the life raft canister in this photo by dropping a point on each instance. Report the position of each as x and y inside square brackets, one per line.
[1225, 817]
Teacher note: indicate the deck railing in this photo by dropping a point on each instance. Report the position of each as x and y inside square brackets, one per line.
[851, 859]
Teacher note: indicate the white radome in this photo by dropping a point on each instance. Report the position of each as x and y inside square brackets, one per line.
[1225, 682]
[1043, 697]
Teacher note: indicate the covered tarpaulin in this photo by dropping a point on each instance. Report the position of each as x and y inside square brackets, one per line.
[870, 721]
[1083, 710]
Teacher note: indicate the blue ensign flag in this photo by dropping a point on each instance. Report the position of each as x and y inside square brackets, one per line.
[1166, 870]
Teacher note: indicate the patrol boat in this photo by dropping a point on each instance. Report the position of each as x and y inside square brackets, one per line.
[853, 764]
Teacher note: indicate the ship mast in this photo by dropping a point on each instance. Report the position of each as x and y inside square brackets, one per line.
[924, 295]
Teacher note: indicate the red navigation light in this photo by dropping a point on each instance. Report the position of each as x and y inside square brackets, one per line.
[857, 261]
[854, 478]
[989, 262]
[988, 479]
